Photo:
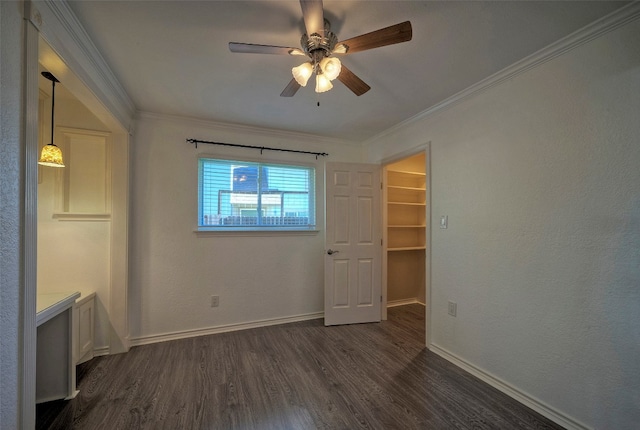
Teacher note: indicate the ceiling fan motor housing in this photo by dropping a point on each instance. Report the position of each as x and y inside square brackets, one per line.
[317, 46]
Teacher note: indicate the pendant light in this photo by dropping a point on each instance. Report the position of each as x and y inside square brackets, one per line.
[51, 155]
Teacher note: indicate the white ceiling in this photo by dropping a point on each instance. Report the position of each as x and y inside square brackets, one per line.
[172, 57]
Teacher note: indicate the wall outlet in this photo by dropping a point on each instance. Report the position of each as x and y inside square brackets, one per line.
[215, 301]
[453, 308]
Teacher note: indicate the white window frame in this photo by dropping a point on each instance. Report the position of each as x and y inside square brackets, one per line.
[252, 230]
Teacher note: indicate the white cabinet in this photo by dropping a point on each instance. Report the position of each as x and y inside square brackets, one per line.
[55, 365]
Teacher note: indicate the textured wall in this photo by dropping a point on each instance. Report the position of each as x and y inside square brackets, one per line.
[174, 271]
[10, 213]
[540, 179]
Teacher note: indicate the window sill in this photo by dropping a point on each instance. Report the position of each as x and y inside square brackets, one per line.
[241, 231]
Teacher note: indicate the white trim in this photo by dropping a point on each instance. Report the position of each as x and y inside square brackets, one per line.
[99, 352]
[67, 216]
[427, 250]
[119, 244]
[65, 34]
[145, 340]
[29, 119]
[397, 156]
[587, 33]
[526, 399]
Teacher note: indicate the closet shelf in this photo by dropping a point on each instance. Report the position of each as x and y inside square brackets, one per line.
[406, 203]
[406, 248]
[407, 173]
[399, 187]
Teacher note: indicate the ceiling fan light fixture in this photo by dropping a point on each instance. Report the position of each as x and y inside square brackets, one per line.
[330, 67]
[322, 83]
[321, 45]
[302, 73]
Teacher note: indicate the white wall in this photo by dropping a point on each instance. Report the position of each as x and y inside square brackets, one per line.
[11, 219]
[173, 271]
[73, 255]
[540, 179]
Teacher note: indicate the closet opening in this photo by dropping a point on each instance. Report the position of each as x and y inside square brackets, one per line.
[405, 236]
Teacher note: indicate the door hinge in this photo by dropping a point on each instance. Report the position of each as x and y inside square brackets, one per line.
[381, 185]
[381, 242]
[380, 299]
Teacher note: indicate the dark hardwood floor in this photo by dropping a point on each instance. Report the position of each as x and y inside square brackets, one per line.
[293, 376]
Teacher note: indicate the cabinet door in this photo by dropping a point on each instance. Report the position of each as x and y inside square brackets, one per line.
[85, 331]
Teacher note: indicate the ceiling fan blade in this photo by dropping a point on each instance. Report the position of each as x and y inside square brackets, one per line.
[385, 36]
[313, 15]
[251, 48]
[354, 83]
[291, 89]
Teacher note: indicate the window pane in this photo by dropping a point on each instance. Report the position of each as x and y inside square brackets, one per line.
[241, 194]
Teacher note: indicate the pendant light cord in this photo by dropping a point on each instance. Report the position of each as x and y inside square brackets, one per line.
[53, 104]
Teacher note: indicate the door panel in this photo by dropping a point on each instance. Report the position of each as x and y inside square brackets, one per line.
[341, 231]
[365, 221]
[365, 281]
[353, 257]
[341, 283]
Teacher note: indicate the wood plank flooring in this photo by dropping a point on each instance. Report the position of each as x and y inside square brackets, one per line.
[292, 376]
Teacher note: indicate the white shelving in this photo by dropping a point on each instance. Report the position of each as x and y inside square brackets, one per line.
[406, 206]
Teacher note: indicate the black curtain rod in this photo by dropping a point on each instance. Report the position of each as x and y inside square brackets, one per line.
[261, 148]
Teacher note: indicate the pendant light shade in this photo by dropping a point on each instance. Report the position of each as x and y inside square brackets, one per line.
[51, 155]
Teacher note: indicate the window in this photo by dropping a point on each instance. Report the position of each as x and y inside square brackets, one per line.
[256, 196]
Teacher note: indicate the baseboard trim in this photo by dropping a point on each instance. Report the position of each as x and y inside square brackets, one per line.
[98, 352]
[403, 302]
[145, 340]
[511, 391]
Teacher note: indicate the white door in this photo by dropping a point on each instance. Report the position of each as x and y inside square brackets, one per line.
[353, 249]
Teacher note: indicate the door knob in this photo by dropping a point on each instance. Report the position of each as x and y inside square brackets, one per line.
[331, 252]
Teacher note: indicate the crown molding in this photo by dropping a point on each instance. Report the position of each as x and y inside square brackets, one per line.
[67, 37]
[610, 22]
[245, 129]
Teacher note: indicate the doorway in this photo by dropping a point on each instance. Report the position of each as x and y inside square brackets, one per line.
[405, 221]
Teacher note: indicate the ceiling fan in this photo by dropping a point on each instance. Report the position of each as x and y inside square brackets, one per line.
[321, 45]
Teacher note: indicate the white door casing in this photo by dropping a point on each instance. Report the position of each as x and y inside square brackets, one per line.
[353, 251]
